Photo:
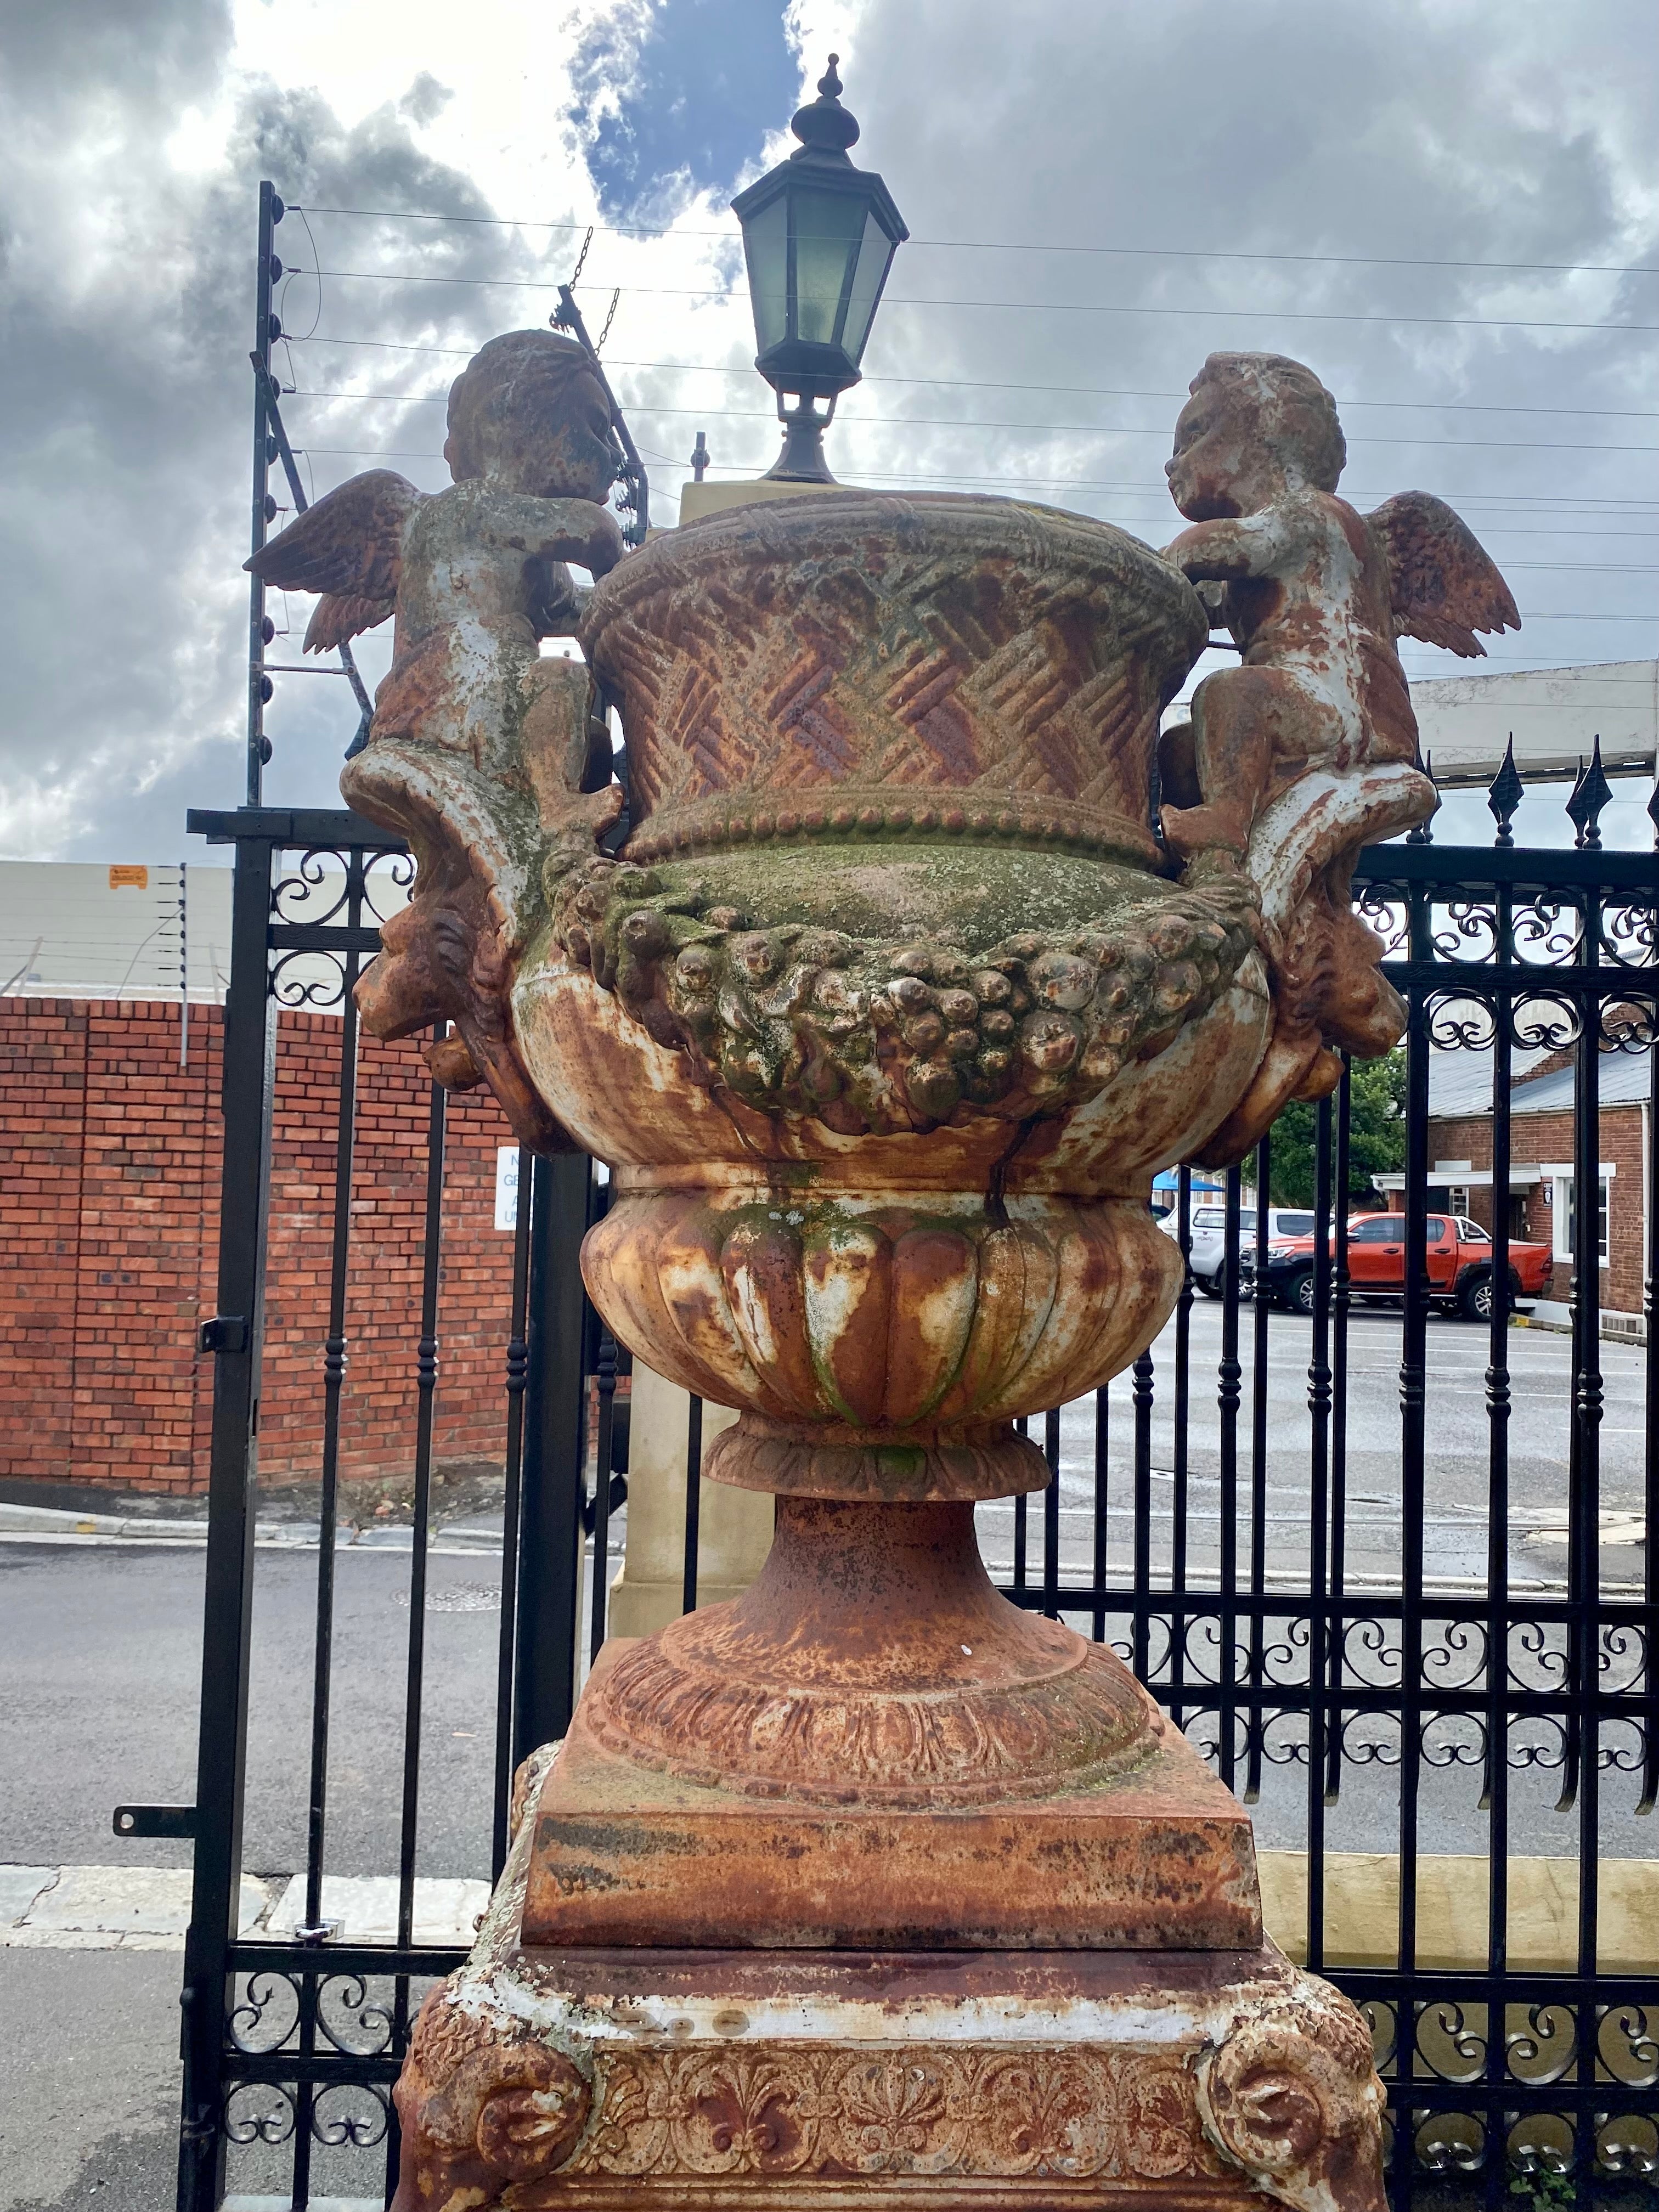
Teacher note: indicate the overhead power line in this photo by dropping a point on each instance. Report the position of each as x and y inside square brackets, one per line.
[1083, 483]
[1018, 245]
[1070, 390]
[1077, 429]
[1002, 307]
[466, 352]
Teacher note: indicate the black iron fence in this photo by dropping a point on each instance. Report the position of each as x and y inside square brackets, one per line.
[1364, 1555]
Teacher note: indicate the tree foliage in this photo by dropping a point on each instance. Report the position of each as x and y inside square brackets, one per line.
[1377, 1135]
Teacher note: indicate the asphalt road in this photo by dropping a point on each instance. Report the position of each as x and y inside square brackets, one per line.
[1456, 1455]
[90, 2094]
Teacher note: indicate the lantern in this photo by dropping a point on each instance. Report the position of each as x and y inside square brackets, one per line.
[819, 236]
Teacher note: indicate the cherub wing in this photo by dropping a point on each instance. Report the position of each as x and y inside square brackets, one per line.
[1445, 585]
[350, 547]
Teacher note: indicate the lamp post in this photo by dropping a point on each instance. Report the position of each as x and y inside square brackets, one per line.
[819, 236]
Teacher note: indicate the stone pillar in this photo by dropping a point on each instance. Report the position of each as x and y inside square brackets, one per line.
[734, 1526]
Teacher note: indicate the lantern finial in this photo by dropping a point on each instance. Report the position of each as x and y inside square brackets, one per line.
[824, 126]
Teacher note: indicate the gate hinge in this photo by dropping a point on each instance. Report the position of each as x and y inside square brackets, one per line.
[224, 1332]
[156, 1820]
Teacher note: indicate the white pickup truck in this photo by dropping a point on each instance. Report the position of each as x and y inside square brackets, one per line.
[1209, 1224]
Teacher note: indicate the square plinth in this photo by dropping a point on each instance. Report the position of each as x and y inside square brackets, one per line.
[599, 2080]
[1159, 1857]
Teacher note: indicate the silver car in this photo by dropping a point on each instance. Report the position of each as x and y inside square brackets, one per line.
[1209, 1225]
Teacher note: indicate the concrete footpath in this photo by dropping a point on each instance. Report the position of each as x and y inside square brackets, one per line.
[127, 1908]
[23, 1523]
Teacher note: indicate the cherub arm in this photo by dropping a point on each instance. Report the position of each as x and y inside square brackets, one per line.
[1234, 547]
[350, 547]
[559, 530]
[1443, 583]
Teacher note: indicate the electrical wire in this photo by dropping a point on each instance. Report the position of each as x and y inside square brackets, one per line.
[1070, 390]
[1016, 245]
[1011, 306]
[1089, 483]
[1117, 429]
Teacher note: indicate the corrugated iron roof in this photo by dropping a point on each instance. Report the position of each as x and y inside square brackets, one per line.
[1460, 1083]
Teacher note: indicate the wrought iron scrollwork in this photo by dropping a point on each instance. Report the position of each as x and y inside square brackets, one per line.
[355, 2112]
[267, 2014]
[258, 2111]
[294, 982]
[314, 892]
[385, 873]
[349, 2020]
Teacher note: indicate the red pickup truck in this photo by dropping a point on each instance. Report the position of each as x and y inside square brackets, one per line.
[1458, 1253]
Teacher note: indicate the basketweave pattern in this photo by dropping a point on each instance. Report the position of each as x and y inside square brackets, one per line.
[1007, 673]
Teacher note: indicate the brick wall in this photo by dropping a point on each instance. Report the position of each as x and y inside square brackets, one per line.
[110, 1157]
[1537, 1138]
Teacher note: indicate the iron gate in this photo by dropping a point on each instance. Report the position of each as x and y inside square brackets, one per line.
[1340, 1675]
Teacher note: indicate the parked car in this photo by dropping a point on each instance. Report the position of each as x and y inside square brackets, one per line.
[1458, 1254]
[1209, 1240]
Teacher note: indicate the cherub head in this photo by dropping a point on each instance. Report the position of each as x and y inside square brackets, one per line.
[1256, 426]
[528, 413]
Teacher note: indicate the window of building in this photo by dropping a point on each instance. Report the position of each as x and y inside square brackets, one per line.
[1564, 1213]
[1457, 1198]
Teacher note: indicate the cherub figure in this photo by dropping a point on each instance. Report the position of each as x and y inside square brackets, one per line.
[479, 749]
[1307, 751]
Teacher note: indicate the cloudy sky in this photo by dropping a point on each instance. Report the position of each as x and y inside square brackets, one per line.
[1449, 209]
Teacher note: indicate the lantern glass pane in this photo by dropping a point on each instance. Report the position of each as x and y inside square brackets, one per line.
[876, 252]
[828, 226]
[766, 245]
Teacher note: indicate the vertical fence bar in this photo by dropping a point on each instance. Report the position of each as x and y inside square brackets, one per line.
[692, 1506]
[1021, 1523]
[249, 1071]
[1178, 1461]
[1584, 1496]
[426, 1383]
[1649, 1793]
[1496, 1791]
[1258, 1403]
[1339, 1513]
[1650, 1434]
[599, 1600]
[1229, 1377]
[517, 1361]
[322, 1664]
[1102, 1501]
[334, 1371]
[1051, 1514]
[1319, 1419]
[1141, 1595]
[555, 1455]
[1413, 1359]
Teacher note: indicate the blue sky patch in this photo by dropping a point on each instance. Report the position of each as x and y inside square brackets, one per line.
[698, 85]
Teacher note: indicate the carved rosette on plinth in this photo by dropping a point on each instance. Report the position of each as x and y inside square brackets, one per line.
[868, 1888]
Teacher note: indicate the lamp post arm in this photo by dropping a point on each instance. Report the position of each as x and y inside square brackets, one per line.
[567, 316]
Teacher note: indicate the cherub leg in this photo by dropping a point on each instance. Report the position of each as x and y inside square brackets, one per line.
[1238, 717]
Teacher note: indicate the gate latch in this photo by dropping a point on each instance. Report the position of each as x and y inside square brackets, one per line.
[224, 1332]
[156, 1820]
